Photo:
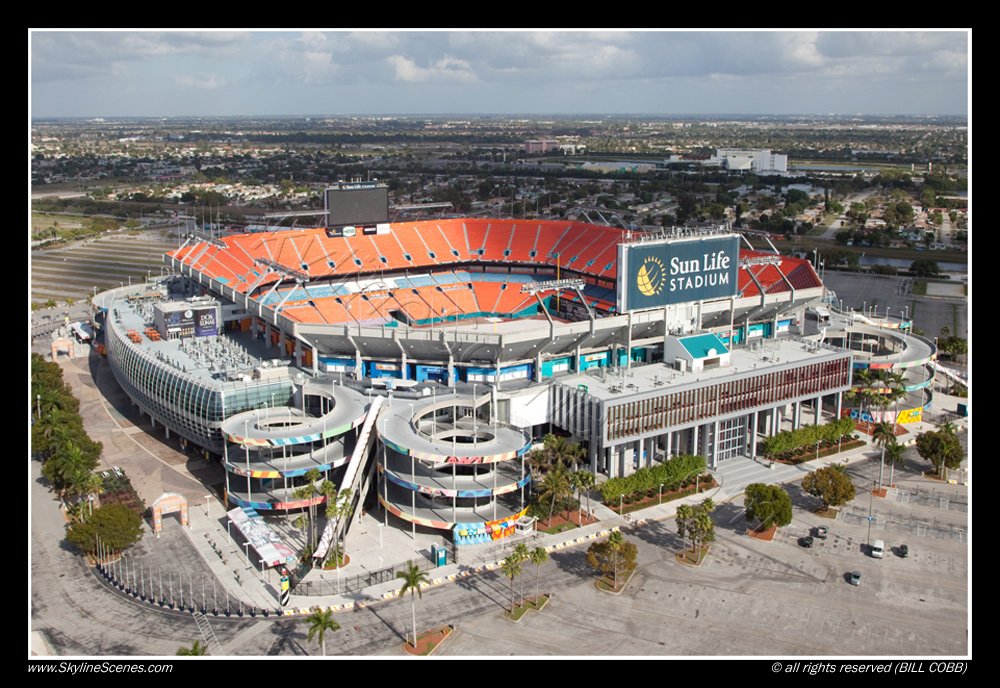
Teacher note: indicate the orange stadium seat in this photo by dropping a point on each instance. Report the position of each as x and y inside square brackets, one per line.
[576, 248]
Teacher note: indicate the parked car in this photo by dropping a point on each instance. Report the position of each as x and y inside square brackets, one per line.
[877, 549]
[904, 551]
[855, 578]
[806, 541]
[820, 532]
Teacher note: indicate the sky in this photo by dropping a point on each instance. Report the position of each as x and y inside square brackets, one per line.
[173, 73]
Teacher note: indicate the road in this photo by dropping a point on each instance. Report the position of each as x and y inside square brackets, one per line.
[750, 598]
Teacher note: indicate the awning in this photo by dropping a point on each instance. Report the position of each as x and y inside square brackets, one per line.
[267, 544]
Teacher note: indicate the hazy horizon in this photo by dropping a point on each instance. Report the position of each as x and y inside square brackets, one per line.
[545, 73]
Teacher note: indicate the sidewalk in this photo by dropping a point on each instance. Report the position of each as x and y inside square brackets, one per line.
[733, 477]
[371, 545]
[369, 553]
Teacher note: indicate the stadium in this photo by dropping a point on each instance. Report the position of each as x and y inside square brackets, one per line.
[418, 363]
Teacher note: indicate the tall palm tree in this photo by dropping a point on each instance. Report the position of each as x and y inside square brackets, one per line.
[308, 491]
[555, 487]
[538, 556]
[522, 554]
[511, 567]
[894, 454]
[582, 482]
[412, 578]
[321, 621]
[338, 506]
[883, 433]
[616, 542]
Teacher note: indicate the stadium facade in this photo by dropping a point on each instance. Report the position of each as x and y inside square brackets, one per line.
[419, 362]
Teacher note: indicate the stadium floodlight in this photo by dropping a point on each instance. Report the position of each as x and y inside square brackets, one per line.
[552, 285]
[760, 260]
[283, 270]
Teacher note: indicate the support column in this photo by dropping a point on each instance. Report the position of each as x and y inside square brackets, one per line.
[715, 444]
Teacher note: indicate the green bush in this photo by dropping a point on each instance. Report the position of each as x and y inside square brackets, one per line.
[648, 480]
[790, 441]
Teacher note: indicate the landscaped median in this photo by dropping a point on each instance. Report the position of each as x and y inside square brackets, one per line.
[531, 604]
[428, 641]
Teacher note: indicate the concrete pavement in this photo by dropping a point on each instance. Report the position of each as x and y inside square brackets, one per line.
[205, 569]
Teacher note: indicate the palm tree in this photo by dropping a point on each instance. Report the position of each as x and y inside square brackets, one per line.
[511, 567]
[321, 621]
[555, 487]
[308, 491]
[522, 554]
[412, 578]
[338, 506]
[570, 453]
[582, 482]
[614, 553]
[68, 465]
[894, 453]
[556, 449]
[684, 517]
[883, 433]
[196, 650]
[538, 556]
[864, 393]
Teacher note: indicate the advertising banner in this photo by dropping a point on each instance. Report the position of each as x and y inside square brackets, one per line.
[656, 274]
[205, 322]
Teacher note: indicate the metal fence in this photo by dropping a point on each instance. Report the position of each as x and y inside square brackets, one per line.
[882, 522]
[933, 501]
[360, 581]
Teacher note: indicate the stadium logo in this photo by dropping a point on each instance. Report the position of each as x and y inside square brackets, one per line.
[650, 277]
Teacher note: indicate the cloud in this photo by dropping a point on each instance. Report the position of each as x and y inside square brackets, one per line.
[567, 71]
[206, 82]
[445, 70]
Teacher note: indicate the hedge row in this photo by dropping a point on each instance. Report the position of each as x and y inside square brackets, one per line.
[793, 440]
[671, 473]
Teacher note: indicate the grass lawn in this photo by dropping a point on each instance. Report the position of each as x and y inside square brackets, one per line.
[529, 605]
[693, 557]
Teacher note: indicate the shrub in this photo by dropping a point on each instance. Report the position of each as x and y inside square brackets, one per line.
[671, 472]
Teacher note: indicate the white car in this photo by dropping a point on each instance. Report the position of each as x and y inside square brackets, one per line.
[878, 549]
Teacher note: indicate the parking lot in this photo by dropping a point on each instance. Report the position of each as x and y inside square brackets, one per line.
[774, 599]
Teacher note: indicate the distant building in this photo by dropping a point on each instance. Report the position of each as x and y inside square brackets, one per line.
[544, 146]
[751, 160]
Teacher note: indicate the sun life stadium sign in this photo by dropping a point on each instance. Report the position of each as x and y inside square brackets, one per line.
[677, 270]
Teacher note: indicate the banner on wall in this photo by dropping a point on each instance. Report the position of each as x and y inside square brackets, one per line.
[677, 270]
